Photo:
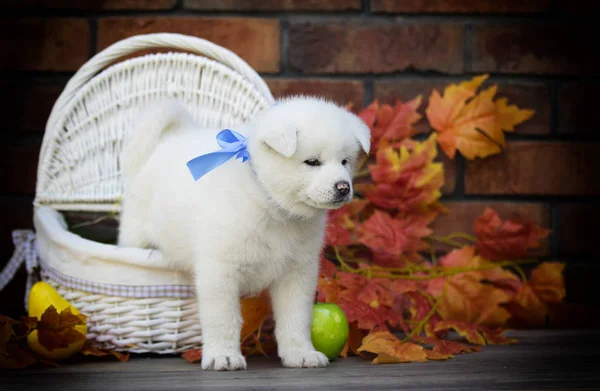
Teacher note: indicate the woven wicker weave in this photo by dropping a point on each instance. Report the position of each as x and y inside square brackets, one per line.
[79, 170]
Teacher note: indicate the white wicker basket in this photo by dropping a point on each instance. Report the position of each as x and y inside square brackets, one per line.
[135, 301]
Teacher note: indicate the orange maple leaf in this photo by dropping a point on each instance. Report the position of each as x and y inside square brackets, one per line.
[192, 356]
[511, 239]
[548, 282]
[464, 329]
[254, 312]
[472, 123]
[355, 337]
[390, 349]
[530, 305]
[468, 297]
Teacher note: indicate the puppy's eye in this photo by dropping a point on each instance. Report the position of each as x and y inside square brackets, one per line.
[344, 162]
[312, 162]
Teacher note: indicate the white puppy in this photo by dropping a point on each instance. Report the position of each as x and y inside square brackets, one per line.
[244, 226]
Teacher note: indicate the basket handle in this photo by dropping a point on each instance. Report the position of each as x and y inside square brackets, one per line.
[153, 41]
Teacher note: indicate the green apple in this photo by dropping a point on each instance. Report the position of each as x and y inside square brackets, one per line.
[329, 329]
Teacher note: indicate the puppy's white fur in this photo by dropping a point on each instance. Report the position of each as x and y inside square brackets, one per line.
[242, 227]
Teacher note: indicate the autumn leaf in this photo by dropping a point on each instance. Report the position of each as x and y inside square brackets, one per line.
[469, 331]
[192, 356]
[391, 123]
[354, 341]
[343, 224]
[14, 353]
[254, 312]
[326, 268]
[420, 309]
[511, 239]
[529, 307]
[327, 290]
[435, 355]
[58, 330]
[367, 317]
[6, 328]
[15, 357]
[469, 298]
[381, 232]
[494, 336]
[90, 350]
[448, 347]
[470, 122]
[548, 282]
[390, 349]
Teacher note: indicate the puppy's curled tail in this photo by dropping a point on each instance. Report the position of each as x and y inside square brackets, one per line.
[148, 127]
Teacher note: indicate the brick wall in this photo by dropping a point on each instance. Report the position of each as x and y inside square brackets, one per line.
[537, 51]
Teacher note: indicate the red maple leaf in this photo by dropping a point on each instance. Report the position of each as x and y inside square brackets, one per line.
[391, 123]
[382, 233]
[326, 268]
[192, 356]
[507, 240]
[406, 177]
[343, 224]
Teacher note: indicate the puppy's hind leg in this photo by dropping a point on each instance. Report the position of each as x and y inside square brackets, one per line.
[133, 222]
[217, 290]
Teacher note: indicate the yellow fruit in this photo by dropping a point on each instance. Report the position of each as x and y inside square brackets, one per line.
[41, 297]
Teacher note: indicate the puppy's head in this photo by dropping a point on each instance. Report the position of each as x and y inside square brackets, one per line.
[304, 152]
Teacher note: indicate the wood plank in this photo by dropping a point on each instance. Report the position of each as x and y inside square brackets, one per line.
[549, 359]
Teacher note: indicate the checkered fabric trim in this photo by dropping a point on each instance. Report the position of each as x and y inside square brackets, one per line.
[133, 291]
[26, 251]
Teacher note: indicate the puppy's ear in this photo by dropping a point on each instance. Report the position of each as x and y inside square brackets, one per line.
[362, 133]
[282, 140]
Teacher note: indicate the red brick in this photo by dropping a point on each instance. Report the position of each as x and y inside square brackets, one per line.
[359, 47]
[92, 4]
[577, 224]
[29, 105]
[531, 95]
[16, 214]
[577, 108]
[57, 44]
[340, 91]
[534, 48]
[462, 215]
[527, 167]
[257, 41]
[449, 172]
[19, 160]
[459, 6]
[273, 5]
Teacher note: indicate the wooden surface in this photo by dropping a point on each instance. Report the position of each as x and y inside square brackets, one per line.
[542, 360]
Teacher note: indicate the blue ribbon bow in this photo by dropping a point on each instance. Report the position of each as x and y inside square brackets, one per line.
[232, 144]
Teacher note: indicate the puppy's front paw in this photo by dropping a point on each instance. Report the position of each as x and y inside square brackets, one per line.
[304, 359]
[230, 362]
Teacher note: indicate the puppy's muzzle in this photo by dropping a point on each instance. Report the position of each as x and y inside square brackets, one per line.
[342, 188]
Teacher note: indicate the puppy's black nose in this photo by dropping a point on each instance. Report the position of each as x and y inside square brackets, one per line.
[343, 187]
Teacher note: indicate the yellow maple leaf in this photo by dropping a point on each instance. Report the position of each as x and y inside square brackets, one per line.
[470, 122]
